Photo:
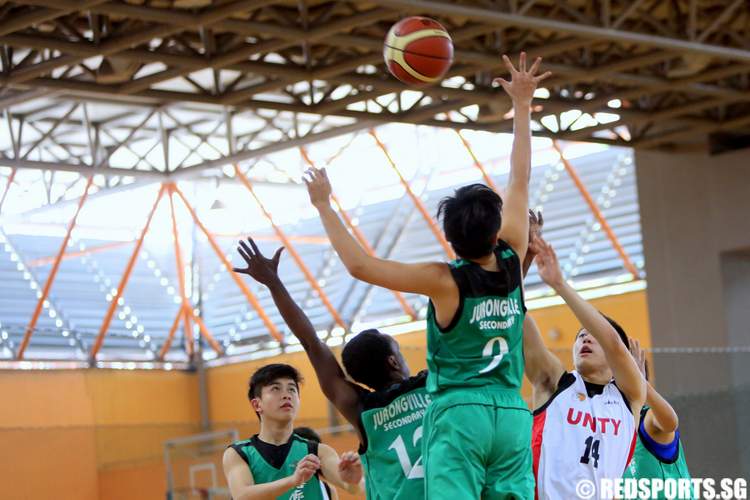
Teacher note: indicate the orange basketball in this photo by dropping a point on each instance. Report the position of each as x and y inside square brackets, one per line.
[418, 50]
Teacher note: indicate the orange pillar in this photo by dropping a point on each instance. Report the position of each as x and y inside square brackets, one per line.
[292, 251]
[597, 213]
[205, 332]
[417, 202]
[487, 179]
[168, 342]
[124, 280]
[361, 238]
[240, 283]
[181, 275]
[53, 272]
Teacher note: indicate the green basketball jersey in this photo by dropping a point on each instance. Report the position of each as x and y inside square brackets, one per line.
[645, 463]
[391, 424]
[264, 472]
[482, 346]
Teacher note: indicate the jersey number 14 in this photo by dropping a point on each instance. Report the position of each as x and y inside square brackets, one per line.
[592, 451]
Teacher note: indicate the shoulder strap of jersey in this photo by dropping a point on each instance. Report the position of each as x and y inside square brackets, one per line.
[238, 447]
[459, 276]
[566, 380]
[312, 448]
[509, 259]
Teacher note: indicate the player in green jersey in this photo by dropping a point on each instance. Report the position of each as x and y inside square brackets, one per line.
[387, 418]
[474, 323]
[276, 463]
[658, 451]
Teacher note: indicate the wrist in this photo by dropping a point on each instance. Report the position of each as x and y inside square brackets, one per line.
[559, 286]
[522, 105]
[274, 283]
[290, 482]
[322, 205]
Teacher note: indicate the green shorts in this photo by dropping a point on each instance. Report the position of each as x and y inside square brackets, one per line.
[477, 444]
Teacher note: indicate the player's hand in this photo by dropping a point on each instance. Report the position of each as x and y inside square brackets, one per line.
[522, 82]
[350, 468]
[261, 269]
[548, 266]
[639, 354]
[536, 223]
[318, 186]
[306, 467]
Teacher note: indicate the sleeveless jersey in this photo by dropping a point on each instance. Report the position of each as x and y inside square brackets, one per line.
[264, 472]
[391, 424]
[482, 346]
[578, 436]
[647, 464]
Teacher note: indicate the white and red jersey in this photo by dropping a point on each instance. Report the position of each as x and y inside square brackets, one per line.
[581, 434]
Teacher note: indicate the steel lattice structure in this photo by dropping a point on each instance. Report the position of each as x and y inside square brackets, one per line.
[642, 73]
[139, 92]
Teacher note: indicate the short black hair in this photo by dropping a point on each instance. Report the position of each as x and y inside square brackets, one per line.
[307, 433]
[365, 358]
[265, 375]
[471, 220]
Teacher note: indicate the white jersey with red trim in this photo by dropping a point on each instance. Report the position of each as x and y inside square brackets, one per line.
[577, 437]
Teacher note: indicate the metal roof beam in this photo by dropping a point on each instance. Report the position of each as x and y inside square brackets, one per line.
[498, 18]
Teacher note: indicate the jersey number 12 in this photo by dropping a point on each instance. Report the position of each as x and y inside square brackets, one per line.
[415, 471]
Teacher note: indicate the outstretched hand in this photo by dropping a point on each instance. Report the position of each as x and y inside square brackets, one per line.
[318, 186]
[523, 82]
[639, 354]
[548, 265]
[260, 268]
[536, 222]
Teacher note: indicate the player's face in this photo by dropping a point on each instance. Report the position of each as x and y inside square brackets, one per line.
[279, 400]
[588, 355]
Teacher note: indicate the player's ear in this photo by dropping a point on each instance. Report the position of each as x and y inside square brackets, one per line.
[394, 363]
[255, 402]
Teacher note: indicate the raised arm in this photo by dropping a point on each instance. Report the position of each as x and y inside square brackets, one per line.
[543, 368]
[431, 278]
[661, 420]
[514, 229]
[242, 484]
[624, 368]
[344, 472]
[343, 394]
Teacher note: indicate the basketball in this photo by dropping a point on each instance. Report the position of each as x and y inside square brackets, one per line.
[418, 50]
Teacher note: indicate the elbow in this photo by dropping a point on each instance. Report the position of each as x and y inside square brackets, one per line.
[357, 269]
[670, 422]
[673, 423]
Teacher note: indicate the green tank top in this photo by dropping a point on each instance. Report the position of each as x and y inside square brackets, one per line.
[264, 471]
[646, 465]
[482, 346]
[391, 424]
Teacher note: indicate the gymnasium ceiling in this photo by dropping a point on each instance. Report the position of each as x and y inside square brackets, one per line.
[88, 82]
[148, 92]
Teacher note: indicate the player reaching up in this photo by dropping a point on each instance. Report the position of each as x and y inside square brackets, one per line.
[474, 321]
[388, 417]
[584, 420]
